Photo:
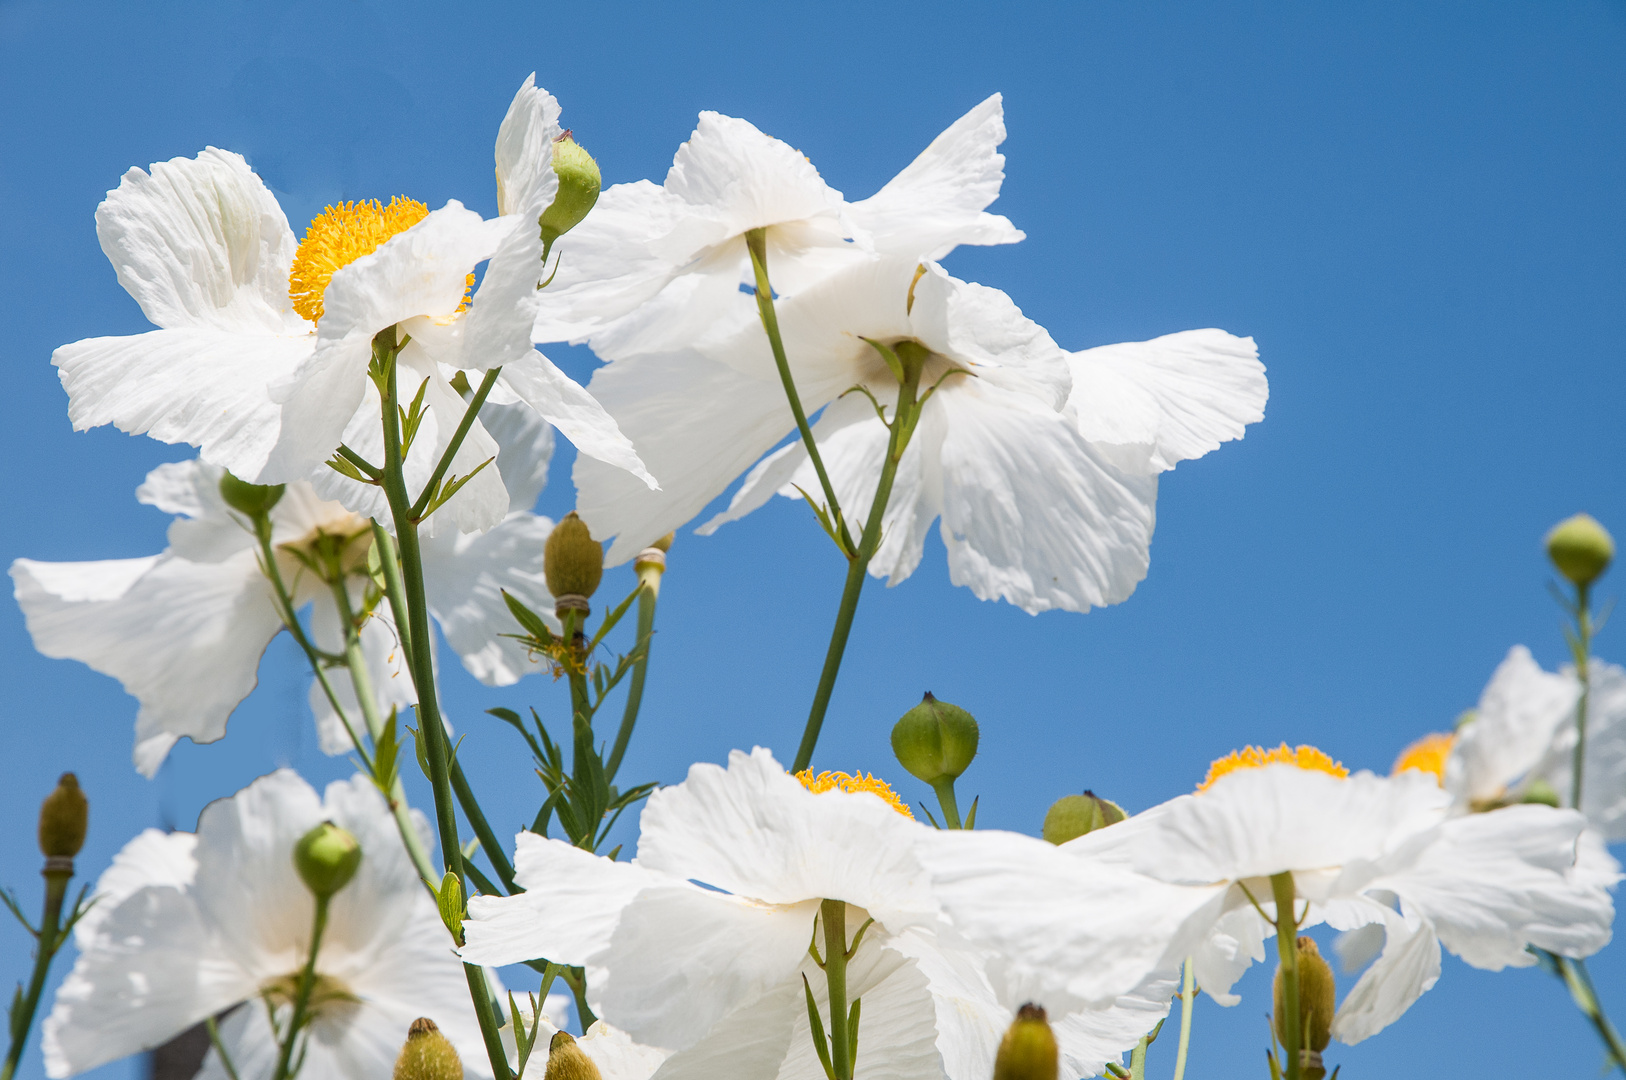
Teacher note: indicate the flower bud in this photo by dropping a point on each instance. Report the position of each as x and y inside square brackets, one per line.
[579, 181]
[1316, 1003]
[1071, 816]
[1539, 791]
[326, 858]
[567, 1061]
[64, 816]
[427, 1054]
[1028, 1050]
[1581, 549]
[254, 500]
[935, 740]
[572, 561]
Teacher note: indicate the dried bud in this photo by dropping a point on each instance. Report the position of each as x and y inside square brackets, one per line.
[1316, 1003]
[64, 816]
[327, 858]
[572, 561]
[255, 500]
[1581, 549]
[1071, 816]
[579, 181]
[1028, 1050]
[567, 1061]
[427, 1054]
[935, 740]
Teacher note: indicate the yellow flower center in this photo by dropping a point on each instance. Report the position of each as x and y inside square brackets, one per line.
[840, 781]
[1257, 757]
[339, 236]
[1427, 754]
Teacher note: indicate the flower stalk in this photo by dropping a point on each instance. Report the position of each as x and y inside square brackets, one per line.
[286, 1066]
[1188, 999]
[650, 571]
[1289, 1026]
[839, 1053]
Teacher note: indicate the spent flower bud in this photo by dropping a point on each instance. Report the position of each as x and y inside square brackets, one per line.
[427, 1054]
[254, 500]
[1581, 549]
[64, 816]
[1071, 816]
[1316, 1004]
[567, 1061]
[327, 858]
[572, 561]
[935, 740]
[579, 182]
[1028, 1050]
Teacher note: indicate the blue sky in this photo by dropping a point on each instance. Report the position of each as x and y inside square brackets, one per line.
[1414, 208]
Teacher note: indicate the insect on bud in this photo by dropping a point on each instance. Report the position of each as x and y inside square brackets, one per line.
[1028, 1050]
[427, 1054]
[327, 858]
[568, 1061]
[1317, 1004]
[935, 741]
[254, 500]
[572, 562]
[64, 816]
[579, 181]
[1581, 549]
[1071, 816]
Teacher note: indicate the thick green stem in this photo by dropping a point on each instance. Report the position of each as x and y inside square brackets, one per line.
[1137, 1058]
[302, 993]
[1585, 995]
[649, 577]
[1290, 1028]
[1188, 998]
[482, 828]
[50, 940]
[945, 799]
[833, 913]
[1583, 653]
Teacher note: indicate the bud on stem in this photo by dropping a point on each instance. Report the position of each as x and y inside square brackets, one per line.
[573, 564]
[1071, 816]
[64, 817]
[1028, 1050]
[1581, 549]
[567, 1061]
[427, 1054]
[327, 858]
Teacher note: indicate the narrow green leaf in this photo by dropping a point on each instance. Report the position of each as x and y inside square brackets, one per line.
[816, 1023]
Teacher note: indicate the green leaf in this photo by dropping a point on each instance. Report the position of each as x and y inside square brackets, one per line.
[852, 1031]
[411, 418]
[449, 899]
[451, 486]
[529, 620]
[971, 818]
[816, 1023]
[343, 467]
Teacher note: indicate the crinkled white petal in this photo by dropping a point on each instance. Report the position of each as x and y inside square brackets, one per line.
[562, 402]
[1408, 968]
[154, 857]
[1603, 787]
[982, 328]
[526, 450]
[386, 671]
[525, 175]
[465, 575]
[1519, 715]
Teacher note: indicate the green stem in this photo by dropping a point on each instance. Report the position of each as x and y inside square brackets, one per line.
[1585, 995]
[50, 940]
[220, 1048]
[456, 443]
[945, 799]
[833, 913]
[1289, 1028]
[1188, 998]
[1137, 1058]
[1583, 652]
[302, 995]
[482, 828]
[649, 577]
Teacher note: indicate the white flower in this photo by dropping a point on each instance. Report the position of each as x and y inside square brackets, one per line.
[1363, 851]
[612, 1050]
[656, 267]
[238, 369]
[183, 631]
[700, 945]
[1042, 465]
[195, 925]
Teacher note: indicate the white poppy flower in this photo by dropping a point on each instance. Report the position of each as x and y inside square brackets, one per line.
[700, 945]
[183, 631]
[659, 267]
[1363, 851]
[262, 354]
[222, 921]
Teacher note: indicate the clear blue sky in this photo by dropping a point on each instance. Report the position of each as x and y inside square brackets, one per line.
[1415, 208]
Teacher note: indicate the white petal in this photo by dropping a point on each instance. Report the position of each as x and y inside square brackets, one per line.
[937, 202]
[1236, 941]
[154, 857]
[1603, 788]
[525, 176]
[969, 1018]
[200, 242]
[465, 575]
[386, 670]
[983, 328]
[1520, 712]
[614, 1052]
[562, 402]
[898, 1036]
[251, 1045]
[154, 624]
[1090, 1038]
[1173, 398]
[1408, 968]
[748, 1044]
[526, 442]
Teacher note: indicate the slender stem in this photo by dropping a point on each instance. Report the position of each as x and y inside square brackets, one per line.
[1291, 1026]
[572, 621]
[389, 560]
[220, 1047]
[834, 915]
[482, 829]
[50, 940]
[1583, 652]
[1188, 998]
[1585, 995]
[1137, 1058]
[649, 576]
[456, 444]
[302, 995]
[945, 799]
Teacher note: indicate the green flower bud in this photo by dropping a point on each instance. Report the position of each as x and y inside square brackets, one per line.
[1581, 549]
[326, 858]
[1071, 816]
[64, 816]
[567, 1061]
[1028, 1050]
[935, 740]
[254, 500]
[579, 181]
[427, 1054]
[1540, 791]
[572, 561]
[1316, 1006]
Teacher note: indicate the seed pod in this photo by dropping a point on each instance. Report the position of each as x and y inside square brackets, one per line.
[64, 816]
[1028, 1050]
[1071, 816]
[427, 1054]
[567, 1061]
[327, 858]
[935, 741]
[1317, 1004]
[1581, 549]
[572, 561]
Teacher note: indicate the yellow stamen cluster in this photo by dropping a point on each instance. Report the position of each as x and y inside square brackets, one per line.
[1257, 757]
[840, 781]
[1427, 754]
[339, 236]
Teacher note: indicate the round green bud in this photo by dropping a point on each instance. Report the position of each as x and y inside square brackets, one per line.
[427, 1054]
[1028, 1050]
[1317, 993]
[1071, 816]
[327, 858]
[572, 561]
[1581, 549]
[935, 741]
[579, 181]
[568, 1061]
[64, 816]
[1541, 792]
[255, 500]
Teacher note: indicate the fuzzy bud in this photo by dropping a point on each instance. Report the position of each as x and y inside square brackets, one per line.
[64, 816]
[1071, 816]
[427, 1054]
[327, 858]
[1317, 1004]
[579, 182]
[254, 500]
[567, 1061]
[572, 561]
[935, 741]
[1581, 549]
[1028, 1050]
